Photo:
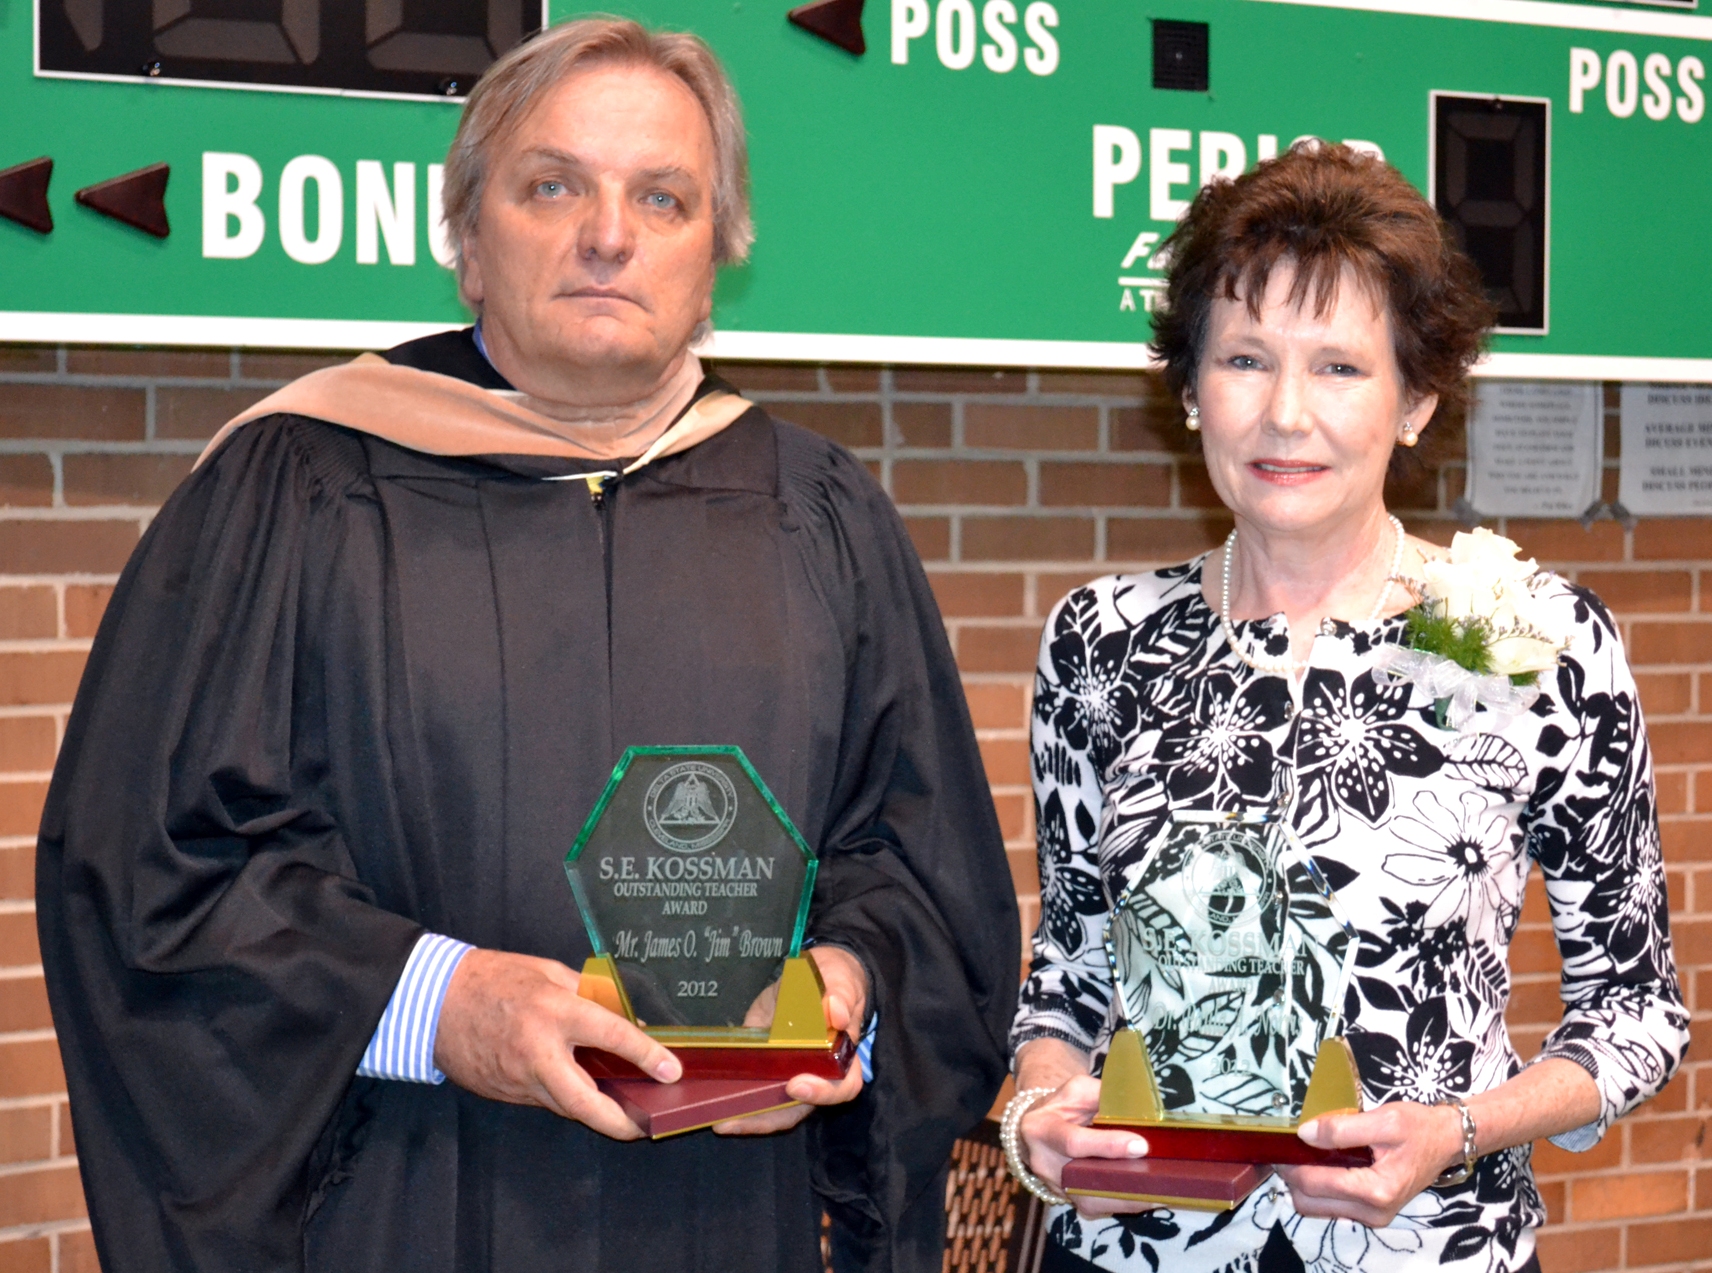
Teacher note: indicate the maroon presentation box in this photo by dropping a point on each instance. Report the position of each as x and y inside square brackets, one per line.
[1237, 1145]
[665, 1109]
[1211, 1186]
[733, 1063]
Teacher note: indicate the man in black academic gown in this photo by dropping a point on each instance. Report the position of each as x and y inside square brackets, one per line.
[364, 679]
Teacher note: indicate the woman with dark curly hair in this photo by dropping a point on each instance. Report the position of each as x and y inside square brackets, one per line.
[1317, 316]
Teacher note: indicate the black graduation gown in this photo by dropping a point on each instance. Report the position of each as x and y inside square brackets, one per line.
[345, 692]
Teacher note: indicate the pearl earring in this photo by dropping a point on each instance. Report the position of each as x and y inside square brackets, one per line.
[1193, 423]
[1410, 437]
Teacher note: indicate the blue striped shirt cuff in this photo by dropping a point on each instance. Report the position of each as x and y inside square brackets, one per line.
[403, 1043]
[865, 1049]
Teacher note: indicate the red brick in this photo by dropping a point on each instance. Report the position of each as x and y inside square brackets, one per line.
[288, 366]
[40, 1197]
[1641, 591]
[1155, 426]
[997, 649]
[846, 423]
[1580, 1250]
[72, 411]
[1033, 428]
[27, 1255]
[21, 807]
[84, 606]
[30, 1069]
[1556, 542]
[67, 1145]
[922, 423]
[1672, 792]
[1673, 539]
[66, 547]
[1435, 530]
[959, 482]
[1124, 485]
[1663, 1140]
[202, 364]
[1027, 538]
[27, 743]
[1051, 587]
[1527, 1039]
[1684, 641]
[1163, 539]
[1555, 1195]
[1650, 1193]
[1194, 488]
[198, 413]
[46, 677]
[1674, 1098]
[765, 377]
[28, 612]
[1677, 1240]
[1665, 693]
[26, 481]
[1104, 384]
[1013, 818]
[977, 594]
[1533, 950]
[1006, 760]
[106, 478]
[997, 706]
[1025, 870]
[931, 536]
[24, 1004]
[26, 1134]
[1681, 742]
[1534, 1002]
[17, 940]
[853, 379]
[1685, 841]
[1536, 907]
[958, 380]
[77, 1252]
[1411, 484]
[1691, 939]
[17, 883]
[29, 359]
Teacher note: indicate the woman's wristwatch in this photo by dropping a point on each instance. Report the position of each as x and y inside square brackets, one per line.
[1456, 1175]
[1009, 1130]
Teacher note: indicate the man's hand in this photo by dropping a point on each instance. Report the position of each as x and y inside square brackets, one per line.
[1412, 1144]
[508, 1028]
[846, 1007]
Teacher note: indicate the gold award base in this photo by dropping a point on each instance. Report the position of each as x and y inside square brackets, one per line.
[1130, 1100]
[729, 1072]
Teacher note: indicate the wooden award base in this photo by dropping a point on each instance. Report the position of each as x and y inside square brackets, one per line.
[728, 1073]
[1208, 1161]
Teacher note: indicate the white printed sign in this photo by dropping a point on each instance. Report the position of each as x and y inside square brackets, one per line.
[1534, 448]
[1667, 449]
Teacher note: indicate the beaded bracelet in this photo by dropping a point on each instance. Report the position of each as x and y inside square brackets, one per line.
[1009, 1126]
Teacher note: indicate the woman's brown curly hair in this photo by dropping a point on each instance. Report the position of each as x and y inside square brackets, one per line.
[1319, 208]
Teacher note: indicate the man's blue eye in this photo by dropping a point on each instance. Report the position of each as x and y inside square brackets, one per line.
[552, 189]
[660, 199]
[1242, 362]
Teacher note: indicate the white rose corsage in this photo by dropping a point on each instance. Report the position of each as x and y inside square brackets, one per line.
[1480, 634]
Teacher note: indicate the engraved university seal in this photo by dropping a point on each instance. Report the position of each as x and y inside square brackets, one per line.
[689, 807]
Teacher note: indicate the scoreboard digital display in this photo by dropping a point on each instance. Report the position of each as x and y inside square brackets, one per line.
[370, 47]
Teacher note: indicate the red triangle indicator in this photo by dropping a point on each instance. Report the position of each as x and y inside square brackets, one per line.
[24, 194]
[136, 198]
[835, 21]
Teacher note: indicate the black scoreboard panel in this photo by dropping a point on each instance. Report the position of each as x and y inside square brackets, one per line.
[436, 47]
[1491, 183]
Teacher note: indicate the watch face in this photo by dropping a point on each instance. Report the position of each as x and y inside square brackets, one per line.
[689, 874]
[404, 47]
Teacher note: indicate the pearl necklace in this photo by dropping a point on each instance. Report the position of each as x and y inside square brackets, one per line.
[1287, 666]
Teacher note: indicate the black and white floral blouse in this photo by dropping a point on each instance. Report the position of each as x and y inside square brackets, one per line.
[1141, 706]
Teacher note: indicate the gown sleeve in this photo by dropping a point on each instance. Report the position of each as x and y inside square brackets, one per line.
[1592, 826]
[215, 968]
[913, 880]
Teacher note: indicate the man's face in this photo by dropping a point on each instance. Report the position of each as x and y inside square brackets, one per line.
[592, 258]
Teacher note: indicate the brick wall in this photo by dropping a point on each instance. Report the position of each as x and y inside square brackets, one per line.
[1016, 486]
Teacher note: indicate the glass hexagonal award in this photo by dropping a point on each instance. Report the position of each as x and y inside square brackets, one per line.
[1230, 958]
[694, 887]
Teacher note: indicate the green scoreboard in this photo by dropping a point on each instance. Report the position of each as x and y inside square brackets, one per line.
[989, 182]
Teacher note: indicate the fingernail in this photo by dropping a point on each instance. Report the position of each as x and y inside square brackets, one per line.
[667, 1071]
[1137, 1148]
[1309, 1129]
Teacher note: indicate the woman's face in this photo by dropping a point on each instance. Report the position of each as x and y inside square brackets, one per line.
[1299, 411]
[592, 259]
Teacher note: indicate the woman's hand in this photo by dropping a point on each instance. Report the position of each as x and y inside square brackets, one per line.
[1412, 1145]
[1056, 1130]
[846, 1005]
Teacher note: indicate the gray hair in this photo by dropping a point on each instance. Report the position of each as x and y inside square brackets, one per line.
[514, 83]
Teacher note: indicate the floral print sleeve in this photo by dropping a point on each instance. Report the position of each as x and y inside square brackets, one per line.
[1593, 829]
